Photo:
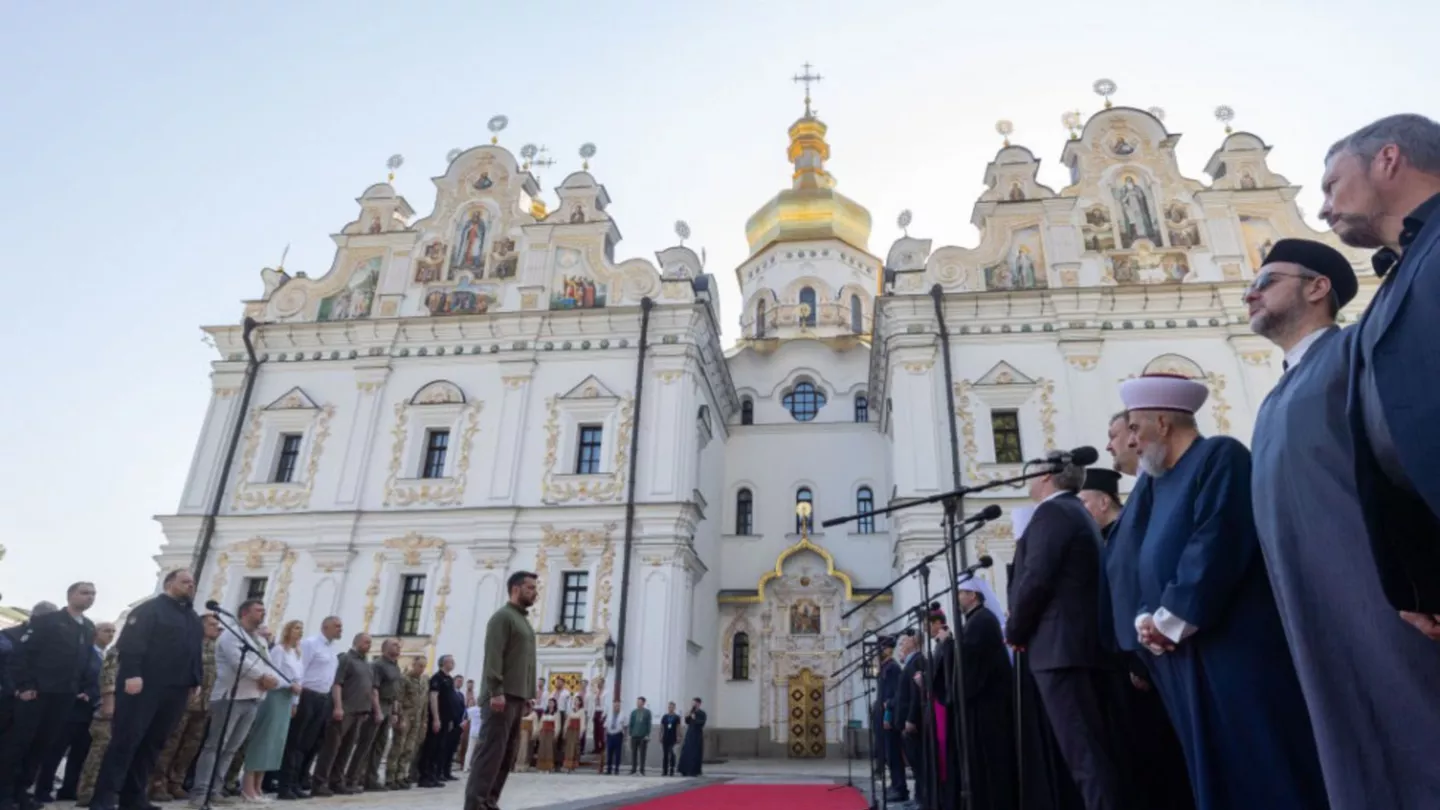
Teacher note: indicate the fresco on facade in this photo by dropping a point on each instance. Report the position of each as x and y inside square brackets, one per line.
[1259, 235]
[1024, 269]
[804, 618]
[465, 298]
[503, 259]
[1122, 146]
[1146, 267]
[1183, 231]
[1135, 212]
[1099, 230]
[431, 265]
[469, 252]
[356, 299]
[577, 292]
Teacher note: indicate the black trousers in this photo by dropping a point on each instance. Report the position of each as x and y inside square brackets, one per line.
[667, 758]
[1073, 700]
[639, 746]
[72, 745]
[895, 760]
[432, 755]
[915, 755]
[35, 728]
[138, 733]
[303, 738]
[452, 746]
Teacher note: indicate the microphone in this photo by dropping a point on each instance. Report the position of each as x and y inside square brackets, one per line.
[990, 512]
[1080, 457]
[985, 562]
[214, 607]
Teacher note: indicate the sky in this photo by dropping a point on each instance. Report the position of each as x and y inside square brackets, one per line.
[161, 154]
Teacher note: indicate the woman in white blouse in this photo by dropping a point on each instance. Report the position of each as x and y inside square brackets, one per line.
[266, 744]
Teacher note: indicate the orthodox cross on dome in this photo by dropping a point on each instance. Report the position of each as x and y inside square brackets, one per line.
[807, 78]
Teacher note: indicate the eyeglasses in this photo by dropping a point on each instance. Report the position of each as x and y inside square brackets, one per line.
[1267, 278]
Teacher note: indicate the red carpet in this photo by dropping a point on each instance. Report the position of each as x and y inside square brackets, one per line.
[760, 797]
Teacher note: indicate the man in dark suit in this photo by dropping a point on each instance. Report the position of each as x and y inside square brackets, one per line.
[888, 730]
[909, 714]
[1054, 602]
[1382, 190]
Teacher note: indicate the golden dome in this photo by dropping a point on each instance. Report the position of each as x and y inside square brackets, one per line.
[811, 208]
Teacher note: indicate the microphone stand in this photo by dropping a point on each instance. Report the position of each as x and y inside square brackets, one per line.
[861, 665]
[955, 557]
[245, 648]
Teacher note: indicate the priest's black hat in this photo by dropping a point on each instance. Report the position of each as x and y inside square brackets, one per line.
[1102, 480]
[887, 642]
[1318, 257]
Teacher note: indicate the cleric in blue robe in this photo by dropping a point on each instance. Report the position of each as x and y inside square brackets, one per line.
[1188, 579]
[1368, 678]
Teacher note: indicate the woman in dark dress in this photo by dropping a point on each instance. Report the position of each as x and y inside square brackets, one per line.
[692, 753]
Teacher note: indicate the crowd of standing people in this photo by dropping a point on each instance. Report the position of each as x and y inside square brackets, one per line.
[1252, 627]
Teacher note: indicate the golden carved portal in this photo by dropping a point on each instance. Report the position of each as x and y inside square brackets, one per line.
[807, 715]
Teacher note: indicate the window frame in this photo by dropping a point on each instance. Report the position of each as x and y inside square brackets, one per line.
[812, 318]
[862, 408]
[865, 524]
[997, 431]
[744, 512]
[740, 656]
[248, 586]
[287, 458]
[428, 468]
[410, 615]
[747, 411]
[582, 431]
[578, 608]
[805, 524]
[812, 393]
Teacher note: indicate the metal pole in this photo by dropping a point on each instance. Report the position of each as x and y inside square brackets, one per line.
[207, 526]
[645, 306]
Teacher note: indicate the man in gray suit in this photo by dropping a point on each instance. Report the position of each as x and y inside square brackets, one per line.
[1382, 190]
[1054, 602]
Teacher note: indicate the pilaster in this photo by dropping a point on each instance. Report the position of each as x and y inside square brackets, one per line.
[516, 381]
[226, 387]
[370, 376]
[916, 419]
[669, 417]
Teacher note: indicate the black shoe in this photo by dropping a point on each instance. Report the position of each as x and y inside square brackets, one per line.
[287, 796]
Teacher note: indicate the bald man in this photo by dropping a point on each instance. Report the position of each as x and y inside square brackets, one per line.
[354, 699]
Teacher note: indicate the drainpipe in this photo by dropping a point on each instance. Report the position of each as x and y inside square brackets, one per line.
[938, 295]
[207, 526]
[645, 306]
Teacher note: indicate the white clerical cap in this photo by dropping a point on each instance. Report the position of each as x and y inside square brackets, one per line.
[1163, 392]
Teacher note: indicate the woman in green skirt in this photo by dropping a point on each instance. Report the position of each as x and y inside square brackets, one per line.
[266, 744]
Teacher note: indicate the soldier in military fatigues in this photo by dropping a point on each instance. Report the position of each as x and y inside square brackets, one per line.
[167, 780]
[99, 728]
[413, 693]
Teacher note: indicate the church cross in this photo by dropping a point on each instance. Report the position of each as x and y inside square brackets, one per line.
[807, 78]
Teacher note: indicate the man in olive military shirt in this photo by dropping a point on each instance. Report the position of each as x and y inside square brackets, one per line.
[364, 770]
[413, 694]
[354, 697]
[99, 728]
[505, 690]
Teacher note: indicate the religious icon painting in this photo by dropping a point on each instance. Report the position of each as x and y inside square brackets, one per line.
[804, 618]
[1136, 217]
[577, 292]
[431, 265]
[1098, 230]
[464, 299]
[356, 299]
[1122, 146]
[469, 251]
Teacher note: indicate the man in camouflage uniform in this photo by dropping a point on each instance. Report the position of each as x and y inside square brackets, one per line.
[99, 728]
[167, 780]
[414, 692]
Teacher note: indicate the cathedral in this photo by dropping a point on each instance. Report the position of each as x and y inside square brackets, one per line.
[486, 388]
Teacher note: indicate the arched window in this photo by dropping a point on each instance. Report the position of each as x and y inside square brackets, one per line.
[804, 524]
[807, 296]
[744, 512]
[740, 657]
[804, 401]
[747, 411]
[857, 321]
[864, 505]
[862, 408]
[760, 318]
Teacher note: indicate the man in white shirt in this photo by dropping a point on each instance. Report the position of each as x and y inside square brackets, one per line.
[318, 659]
[247, 680]
[615, 725]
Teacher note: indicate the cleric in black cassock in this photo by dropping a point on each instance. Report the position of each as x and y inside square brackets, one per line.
[989, 707]
[692, 751]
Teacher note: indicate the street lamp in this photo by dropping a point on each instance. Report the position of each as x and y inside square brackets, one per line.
[609, 652]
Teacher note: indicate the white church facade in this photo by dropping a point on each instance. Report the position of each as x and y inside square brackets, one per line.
[486, 389]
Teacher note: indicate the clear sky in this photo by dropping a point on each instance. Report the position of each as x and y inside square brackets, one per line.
[159, 154]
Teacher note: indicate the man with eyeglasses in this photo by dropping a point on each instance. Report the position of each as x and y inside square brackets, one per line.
[1375, 751]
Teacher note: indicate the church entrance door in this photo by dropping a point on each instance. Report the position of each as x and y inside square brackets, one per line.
[807, 715]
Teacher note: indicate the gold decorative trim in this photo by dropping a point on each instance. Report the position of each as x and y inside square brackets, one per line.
[412, 545]
[967, 427]
[667, 377]
[442, 598]
[373, 591]
[919, 368]
[255, 548]
[514, 383]
[224, 393]
[1047, 411]
[740, 624]
[803, 545]
[966, 414]
[282, 591]
[1256, 358]
[595, 488]
[368, 386]
[1083, 362]
[1219, 408]
[574, 543]
[217, 585]
[429, 491]
[250, 496]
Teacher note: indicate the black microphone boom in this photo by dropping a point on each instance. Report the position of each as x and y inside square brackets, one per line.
[1080, 457]
[214, 607]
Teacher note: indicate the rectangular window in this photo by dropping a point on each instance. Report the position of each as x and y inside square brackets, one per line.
[1005, 425]
[587, 457]
[865, 504]
[575, 601]
[437, 443]
[412, 599]
[255, 587]
[289, 457]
